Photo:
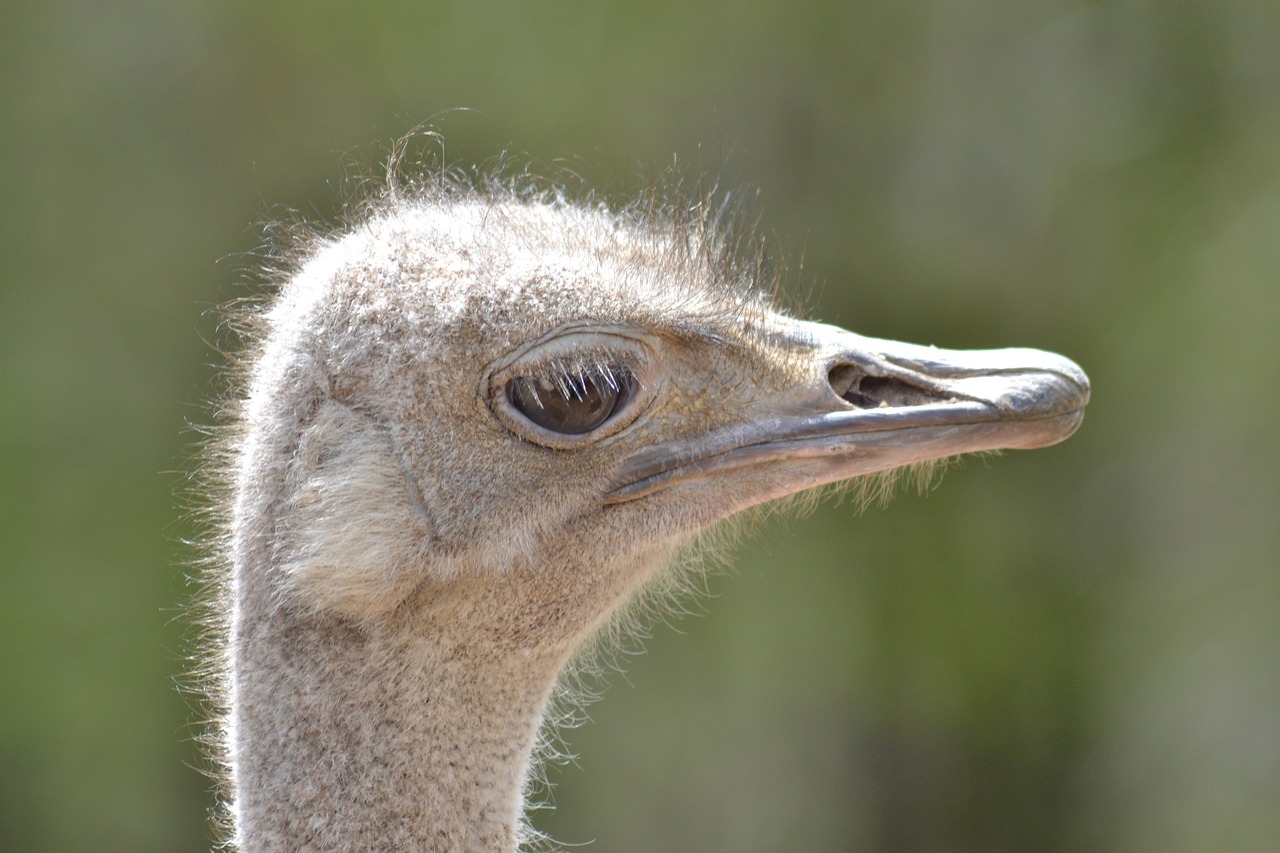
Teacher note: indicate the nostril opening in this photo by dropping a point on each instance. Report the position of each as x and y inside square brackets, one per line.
[873, 392]
[882, 391]
[844, 378]
[847, 381]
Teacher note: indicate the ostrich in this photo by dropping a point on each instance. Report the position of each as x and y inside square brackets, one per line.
[470, 429]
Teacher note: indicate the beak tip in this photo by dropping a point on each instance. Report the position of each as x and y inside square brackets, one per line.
[1047, 432]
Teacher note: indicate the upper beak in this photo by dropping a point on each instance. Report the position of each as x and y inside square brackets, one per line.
[886, 404]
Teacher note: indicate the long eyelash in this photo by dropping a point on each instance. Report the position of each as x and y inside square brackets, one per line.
[571, 378]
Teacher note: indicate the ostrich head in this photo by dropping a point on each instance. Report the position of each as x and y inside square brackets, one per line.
[475, 425]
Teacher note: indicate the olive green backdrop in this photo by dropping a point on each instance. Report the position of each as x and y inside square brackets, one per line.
[1073, 649]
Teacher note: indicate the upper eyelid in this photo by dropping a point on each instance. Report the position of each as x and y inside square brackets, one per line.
[576, 348]
[579, 363]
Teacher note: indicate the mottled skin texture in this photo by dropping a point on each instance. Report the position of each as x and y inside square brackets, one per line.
[412, 566]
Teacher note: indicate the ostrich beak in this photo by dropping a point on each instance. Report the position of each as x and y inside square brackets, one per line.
[887, 404]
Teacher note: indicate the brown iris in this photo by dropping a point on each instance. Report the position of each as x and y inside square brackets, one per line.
[575, 404]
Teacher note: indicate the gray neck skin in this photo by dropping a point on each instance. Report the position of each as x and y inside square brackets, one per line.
[410, 732]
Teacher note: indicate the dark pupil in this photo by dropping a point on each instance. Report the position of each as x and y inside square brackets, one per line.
[580, 405]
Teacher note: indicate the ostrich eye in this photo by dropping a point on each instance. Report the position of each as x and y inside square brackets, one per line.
[577, 385]
[575, 403]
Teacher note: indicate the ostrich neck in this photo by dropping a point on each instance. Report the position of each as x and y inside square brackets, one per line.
[410, 733]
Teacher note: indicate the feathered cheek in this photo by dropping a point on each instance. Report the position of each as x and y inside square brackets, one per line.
[355, 542]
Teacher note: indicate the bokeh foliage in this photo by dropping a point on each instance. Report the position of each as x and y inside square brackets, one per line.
[1074, 649]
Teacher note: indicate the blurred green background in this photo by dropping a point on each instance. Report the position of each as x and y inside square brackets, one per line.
[1072, 649]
